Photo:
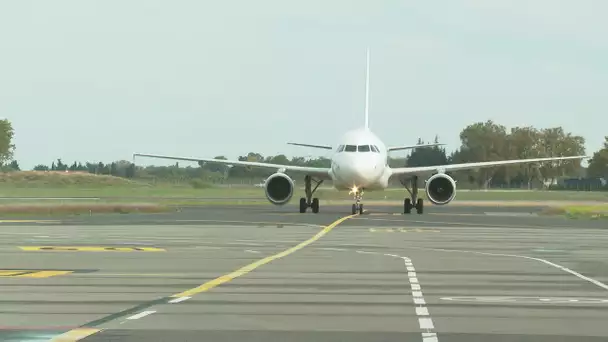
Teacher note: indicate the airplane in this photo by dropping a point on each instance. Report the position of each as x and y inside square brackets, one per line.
[360, 163]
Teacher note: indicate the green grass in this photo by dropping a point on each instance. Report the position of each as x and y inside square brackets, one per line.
[599, 211]
[60, 184]
[151, 192]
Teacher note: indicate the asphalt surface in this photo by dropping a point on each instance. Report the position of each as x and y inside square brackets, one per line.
[231, 274]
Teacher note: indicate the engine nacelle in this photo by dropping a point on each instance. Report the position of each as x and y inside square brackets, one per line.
[440, 189]
[279, 188]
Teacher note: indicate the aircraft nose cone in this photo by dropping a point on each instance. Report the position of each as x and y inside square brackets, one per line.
[364, 170]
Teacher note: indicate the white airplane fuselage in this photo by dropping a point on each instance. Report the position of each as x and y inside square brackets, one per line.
[360, 161]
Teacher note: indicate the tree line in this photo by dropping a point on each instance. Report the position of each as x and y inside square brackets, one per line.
[481, 141]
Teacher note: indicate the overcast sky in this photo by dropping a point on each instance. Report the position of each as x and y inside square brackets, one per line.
[99, 80]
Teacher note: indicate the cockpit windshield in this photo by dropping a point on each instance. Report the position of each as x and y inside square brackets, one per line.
[363, 148]
[350, 148]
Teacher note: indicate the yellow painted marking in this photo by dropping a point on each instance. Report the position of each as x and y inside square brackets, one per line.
[32, 273]
[75, 335]
[11, 273]
[78, 334]
[90, 249]
[28, 221]
[43, 274]
[244, 270]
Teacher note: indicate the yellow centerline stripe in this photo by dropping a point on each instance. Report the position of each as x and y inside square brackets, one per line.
[80, 333]
[244, 270]
[75, 335]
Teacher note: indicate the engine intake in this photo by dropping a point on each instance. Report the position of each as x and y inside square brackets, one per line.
[440, 189]
[279, 188]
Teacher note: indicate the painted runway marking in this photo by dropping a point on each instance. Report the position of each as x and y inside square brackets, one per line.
[90, 249]
[246, 269]
[75, 335]
[527, 300]
[333, 249]
[565, 269]
[251, 251]
[29, 221]
[141, 315]
[32, 273]
[422, 311]
[178, 300]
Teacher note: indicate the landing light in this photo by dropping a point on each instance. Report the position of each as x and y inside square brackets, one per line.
[353, 190]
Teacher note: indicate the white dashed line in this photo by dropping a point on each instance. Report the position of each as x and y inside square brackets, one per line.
[419, 301]
[392, 255]
[178, 300]
[426, 323]
[429, 337]
[251, 251]
[333, 249]
[141, 314]
[422, 311]
[424, 319]
[364, 252]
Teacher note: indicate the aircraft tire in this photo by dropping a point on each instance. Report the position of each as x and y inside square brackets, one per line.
[303, 205]
[315, 205]
[420, 206]
[407, 206]
[354, 209]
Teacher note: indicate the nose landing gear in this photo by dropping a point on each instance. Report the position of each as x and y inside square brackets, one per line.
[310, 202]
[414, 201]
[357, 206]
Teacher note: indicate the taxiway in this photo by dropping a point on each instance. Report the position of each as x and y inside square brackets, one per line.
[259, 273]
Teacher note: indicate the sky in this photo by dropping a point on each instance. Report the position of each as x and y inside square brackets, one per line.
[100, 80]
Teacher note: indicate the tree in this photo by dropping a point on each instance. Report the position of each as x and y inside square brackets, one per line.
[427, 156]
[483, 141]
[41, 167]
[598, 166]
[556, 143]
[14, 165]
[523, 143]
[7, 148]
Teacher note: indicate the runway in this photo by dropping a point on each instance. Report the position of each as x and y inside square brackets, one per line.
[260, 273]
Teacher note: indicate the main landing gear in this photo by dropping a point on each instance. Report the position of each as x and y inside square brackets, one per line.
[357, 206]
[408, 203]
[310, 202]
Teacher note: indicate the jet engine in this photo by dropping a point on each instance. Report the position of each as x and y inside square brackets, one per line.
[440, 189]
[279, 188]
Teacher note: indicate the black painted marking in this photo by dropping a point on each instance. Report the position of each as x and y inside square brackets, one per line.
[127, 312]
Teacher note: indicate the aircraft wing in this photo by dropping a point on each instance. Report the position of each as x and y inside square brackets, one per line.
[472, 166]
[325, 147]
[313, 171]
[397, 148]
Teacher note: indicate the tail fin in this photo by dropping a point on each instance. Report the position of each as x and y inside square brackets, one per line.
[367, 92]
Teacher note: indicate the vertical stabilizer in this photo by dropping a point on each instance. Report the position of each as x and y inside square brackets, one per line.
[367, 92]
